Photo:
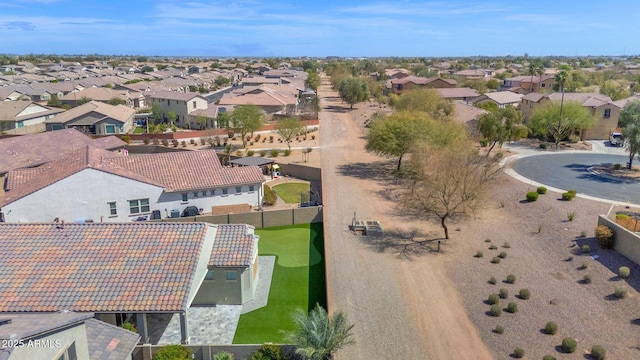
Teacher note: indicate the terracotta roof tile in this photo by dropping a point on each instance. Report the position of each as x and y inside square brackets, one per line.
[234, 245]
[98, 267]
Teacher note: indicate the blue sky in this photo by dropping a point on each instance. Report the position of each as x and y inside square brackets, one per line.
[319, 28]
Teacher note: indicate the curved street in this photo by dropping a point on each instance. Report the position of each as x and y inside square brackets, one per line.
[570, 171]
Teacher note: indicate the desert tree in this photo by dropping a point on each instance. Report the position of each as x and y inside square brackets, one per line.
[425, 100]
[83, 100]
[172, 117]
[202, 121]
[156, 113]
[313, 80]
[116, 101]
[500, 125]
[560, 120]
[246, 119]
[54, 101]
[288, 128]
[448, 183]
[352, 90]
[317, 336]
[630, 124]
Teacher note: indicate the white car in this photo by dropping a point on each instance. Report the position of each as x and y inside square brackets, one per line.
[616, 139]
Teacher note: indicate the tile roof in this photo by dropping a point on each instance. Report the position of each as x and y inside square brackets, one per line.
[234, 245]
[24, 326]
[109, 342]
[137, 267]
[95, 93]
[174, 95]
[501, 97]
[33, 150]
[457, 92]
[420, 80]
[11, 109]
[120, 112]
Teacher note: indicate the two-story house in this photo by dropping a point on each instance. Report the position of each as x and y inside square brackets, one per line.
[410, 82]
[182, 104]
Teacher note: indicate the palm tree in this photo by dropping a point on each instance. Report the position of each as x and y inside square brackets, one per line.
[317, 335]
[533, 69]
[540, 72]
[561, 79]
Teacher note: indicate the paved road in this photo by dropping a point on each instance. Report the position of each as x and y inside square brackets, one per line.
[570, 171]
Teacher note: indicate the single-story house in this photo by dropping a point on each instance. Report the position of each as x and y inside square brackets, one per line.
[25, 115]
[95, 118]
[463, 94]
[500, 98]
[63, 335]
[123, 272]
[92, 184]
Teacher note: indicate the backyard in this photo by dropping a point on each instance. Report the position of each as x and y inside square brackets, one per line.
[290, 191]
[298, 281]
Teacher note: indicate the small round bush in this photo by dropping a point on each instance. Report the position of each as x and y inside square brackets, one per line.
[503, 254]
[496, 310]
[492, 247]
[543, 146]
[511, 279]
[525, 294]
[223, 355]
[250, 153]
[566, 196]
[541, 190]
[487, 240]
[173, 352]
[551, 328]
[506, 245]
[503, 293]
[548, 357]
[495, 260]
[287, 152]
[586, 249]
[569, 345]
[263, 153]
[572, 192]
[512, 307]
[493, 299]
[518, 353]
[621, 292]
[584, 266]
[492, 280]
[532, 196]
[498, 330]
[604, 234]
[275, 153]
[598, 352]
[624, 272]
[479, 254]
[587, 279]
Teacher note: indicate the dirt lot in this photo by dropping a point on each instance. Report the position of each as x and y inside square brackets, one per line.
[411, 302]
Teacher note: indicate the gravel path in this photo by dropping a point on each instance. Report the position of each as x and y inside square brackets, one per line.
[403, 307]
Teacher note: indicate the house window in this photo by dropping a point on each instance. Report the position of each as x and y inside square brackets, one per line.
[69, 353]
[56, 127]
[113, 211]
[252, 188]
[238, 189]
[212, 192]
[185, 197]
[231, 275]
[194, 104]
[110, 129]
[195, 194]
[607, 113]
[225, 191]
[210, 275]
[204, 193]
[139, 206]
[20, 124]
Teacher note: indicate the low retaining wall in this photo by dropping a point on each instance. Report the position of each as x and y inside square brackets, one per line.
[626, 242]
[261, 219]
[205, 352]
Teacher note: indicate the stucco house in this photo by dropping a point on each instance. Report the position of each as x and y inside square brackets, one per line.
[500, 98]
[539, 84]
[25, 115]
[605, 111]
[63, 335]
[410, 82]
[92, 184]
[182, 104]
[95, 118]
[268, 99]
[454, 94]
[124, 272]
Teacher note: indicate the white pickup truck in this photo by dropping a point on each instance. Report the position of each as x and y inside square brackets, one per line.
[616, 139]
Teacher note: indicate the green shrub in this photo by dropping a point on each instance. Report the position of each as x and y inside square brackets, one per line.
[583, 233]
[572, 192]
[624, 272]
[173, 352]
[551, 328]
[585, 265]
[126, 138]
[250, 152]
[566, 196]
[479, 254]
[512, 307]
[267, 352]
[263, 153]
[587, 278]
[496, 310]
[223, 356]
[518, 353]
[483, 142]
[571, 215]
[541, 190]
[498, 330]
[503, 254]
[569, 345]
[532, 196]
[511, 279]
[574, 138]
[270, 196]
[495, 260]
[604, 234]
[503, 293]
[586, 249]
[621, 292]
[543, 146]
[493, 299]
[598, 352]
[492, 247]
[275, 152]
[620, 217]
[548, 357]
[287, 152]
[617, 166]
[506, 245]
[525, 294]
[129, 326]
[492, 280]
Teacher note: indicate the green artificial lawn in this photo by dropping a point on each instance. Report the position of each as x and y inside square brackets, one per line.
[290, 192]
[138, 130]
[298, 282]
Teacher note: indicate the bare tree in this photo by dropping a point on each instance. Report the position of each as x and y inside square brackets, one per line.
[447, 184]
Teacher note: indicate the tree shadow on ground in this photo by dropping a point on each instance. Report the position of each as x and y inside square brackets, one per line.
[405, 243]
[338, 109]
[583, 169]
[378, 170]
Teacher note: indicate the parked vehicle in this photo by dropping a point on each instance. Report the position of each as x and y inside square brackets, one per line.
[616, 139]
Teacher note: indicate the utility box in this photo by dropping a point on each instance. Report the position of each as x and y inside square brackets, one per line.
[175, 213]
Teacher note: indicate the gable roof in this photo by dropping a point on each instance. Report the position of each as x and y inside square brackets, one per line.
[95, 93]
[11, 110]
[118, 112]
[501, 97]
[421, 80]
[234, 245]
[109, 342]
[174, 95]
[132, 267]
[33, 150]
[447, 93]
